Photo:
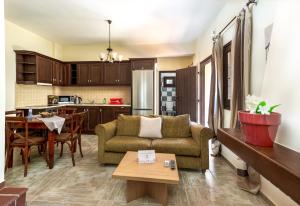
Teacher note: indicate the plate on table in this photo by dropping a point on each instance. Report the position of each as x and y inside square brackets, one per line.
[47, 114]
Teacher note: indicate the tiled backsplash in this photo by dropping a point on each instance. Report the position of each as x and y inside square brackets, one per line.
[96, 93]
[37, 95]
[27, 95]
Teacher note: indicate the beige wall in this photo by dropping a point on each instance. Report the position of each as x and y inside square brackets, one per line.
[264, 15]
[281, 78]
[92, 51]
[18, 38]
[174, 63]
[2, 91]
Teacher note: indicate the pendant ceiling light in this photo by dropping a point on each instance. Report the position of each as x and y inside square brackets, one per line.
[110, 55]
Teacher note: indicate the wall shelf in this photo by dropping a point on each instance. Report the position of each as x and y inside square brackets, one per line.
[280, 165]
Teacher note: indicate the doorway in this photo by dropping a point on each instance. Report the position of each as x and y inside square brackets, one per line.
[205, 79]
[167, 93]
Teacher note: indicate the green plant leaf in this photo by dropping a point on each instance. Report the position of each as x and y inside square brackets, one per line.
[262, 103]
[273, 107]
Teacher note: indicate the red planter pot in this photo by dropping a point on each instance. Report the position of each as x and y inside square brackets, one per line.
[258, 129]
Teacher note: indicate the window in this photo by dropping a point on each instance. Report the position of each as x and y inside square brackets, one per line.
[227, 68]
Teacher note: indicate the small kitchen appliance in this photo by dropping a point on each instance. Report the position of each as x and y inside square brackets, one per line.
[116, 101]
[52, 99]
[66, 99]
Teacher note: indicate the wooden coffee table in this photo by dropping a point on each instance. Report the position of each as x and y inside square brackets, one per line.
[147, 179]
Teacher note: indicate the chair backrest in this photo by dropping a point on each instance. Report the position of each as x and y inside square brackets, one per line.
[74, 123]
[15, 124]
[78, 119]
[66, 110]
[17, 113]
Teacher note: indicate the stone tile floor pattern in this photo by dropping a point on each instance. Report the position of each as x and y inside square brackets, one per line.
[90, 184]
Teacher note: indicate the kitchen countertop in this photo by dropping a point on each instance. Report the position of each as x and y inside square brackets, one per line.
[79, 105]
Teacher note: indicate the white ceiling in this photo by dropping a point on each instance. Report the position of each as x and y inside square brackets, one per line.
[134, 21]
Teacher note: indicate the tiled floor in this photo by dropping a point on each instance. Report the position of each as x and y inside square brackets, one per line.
[90, 184]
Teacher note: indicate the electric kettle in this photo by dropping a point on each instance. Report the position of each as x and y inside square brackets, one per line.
[77, 99]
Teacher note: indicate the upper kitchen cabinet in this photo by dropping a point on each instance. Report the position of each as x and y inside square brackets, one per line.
[44, 70]
[32, 68]
[96, 73]
[143, 63]
[111, 73]
[58, 72]
[26, 67]
[117, 73]
[83, 74]
[125, 73]
[90, 74]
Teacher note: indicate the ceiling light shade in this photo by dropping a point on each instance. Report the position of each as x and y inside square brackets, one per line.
[110, 56]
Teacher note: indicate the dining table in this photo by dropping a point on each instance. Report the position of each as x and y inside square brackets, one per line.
[37, 123]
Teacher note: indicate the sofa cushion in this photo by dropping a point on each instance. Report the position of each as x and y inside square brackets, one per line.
[178, 146]
[150, 127]
[128, 125]
[178, 126]
[127, 143]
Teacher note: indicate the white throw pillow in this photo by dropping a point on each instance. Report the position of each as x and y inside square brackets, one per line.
[150, 127]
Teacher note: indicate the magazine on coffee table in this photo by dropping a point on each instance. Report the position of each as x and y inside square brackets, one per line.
[146, 156]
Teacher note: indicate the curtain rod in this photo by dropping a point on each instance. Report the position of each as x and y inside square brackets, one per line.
[227, 25]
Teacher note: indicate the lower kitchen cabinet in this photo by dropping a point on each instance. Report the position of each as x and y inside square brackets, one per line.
[100, 115]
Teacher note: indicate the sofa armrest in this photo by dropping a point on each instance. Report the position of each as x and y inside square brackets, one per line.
[201, 135]
[104, 132]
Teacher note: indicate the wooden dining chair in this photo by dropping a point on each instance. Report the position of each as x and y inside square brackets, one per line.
[66, 110]
[17, 113]
[18, 137]
[74, 125]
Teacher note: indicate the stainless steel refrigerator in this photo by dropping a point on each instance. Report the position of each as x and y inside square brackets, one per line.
[142, 92]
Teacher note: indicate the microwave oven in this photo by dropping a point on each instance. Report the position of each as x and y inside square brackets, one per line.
[66, 99]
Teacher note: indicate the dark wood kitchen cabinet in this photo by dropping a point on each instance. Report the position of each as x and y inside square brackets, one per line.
[44, 70]
[125, 73]
[89, 74]
[117, 73]
[100, 115]
[110, 113]
[58, 72]
[33, 67]
[26, 67]
[106, 114]
[143, 63]
[82, 74]
[96, 74]
[121, 110]
[93, 118]
[111, 73]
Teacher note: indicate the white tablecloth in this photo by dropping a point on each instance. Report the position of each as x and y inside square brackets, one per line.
[53, 123]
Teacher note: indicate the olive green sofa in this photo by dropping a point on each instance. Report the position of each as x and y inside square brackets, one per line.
[187, 140]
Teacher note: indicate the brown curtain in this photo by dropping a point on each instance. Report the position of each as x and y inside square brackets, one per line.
[215, 115]
[241, 54]
[237, 94]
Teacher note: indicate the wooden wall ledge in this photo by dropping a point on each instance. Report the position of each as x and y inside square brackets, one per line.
[279, 165]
